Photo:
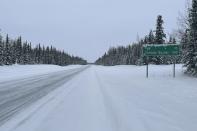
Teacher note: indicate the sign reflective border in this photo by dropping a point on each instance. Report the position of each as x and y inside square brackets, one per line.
[161, 50]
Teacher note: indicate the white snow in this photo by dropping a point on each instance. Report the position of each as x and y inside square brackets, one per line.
[23, 71]
[118, 98]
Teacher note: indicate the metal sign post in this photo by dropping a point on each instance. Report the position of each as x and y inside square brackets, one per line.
[174, 68]
[147, 67]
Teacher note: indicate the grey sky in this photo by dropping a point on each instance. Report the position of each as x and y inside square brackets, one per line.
[85, 27]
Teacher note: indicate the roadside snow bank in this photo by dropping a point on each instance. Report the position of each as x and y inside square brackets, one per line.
[22, 71]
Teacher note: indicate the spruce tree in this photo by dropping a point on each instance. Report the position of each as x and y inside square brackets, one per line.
[190, 57]
[39, 54]
[174, 41]
[7, 54]
[26, 54]
[13, 50]
[159, 38]
[151, 38]
[160, 35]
[18, 51]
[1, 50]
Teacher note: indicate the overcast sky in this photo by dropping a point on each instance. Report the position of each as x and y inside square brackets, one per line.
[86, 28]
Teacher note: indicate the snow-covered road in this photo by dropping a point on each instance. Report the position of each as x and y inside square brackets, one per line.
[15, 95]
[118, 98]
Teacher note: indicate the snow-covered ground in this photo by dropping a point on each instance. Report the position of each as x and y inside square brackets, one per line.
[118, 98]
[22, 71]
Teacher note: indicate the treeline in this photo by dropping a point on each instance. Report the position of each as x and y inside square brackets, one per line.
[19, 52]
[189, 39]
[132, 54]
[187, 34]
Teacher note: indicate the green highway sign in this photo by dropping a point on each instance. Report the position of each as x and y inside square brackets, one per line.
[161, 50]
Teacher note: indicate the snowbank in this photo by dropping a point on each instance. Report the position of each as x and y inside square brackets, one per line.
[22, 71]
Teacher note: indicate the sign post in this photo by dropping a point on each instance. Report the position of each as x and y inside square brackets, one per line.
[174, 68]
[147, 66]
[161, 50]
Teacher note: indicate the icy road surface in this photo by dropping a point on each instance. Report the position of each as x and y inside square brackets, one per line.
[15, 95]
[118, 98]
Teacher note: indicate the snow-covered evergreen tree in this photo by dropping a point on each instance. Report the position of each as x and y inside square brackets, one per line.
[1, 50]
[160, 35]
[151, 38]
[26, 54]
[159, 38]
[18, 50]
[13, 52]
[190, 57]
[7, 52]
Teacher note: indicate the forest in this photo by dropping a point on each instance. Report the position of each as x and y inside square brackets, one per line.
[15, 51]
